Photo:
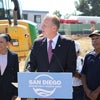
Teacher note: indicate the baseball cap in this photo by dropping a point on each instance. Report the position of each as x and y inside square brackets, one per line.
[96, 32]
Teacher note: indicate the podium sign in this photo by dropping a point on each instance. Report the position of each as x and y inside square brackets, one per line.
[45, 85]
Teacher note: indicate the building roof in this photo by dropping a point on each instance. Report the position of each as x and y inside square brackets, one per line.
[35, 11]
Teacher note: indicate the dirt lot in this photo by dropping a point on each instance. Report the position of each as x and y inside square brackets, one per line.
[85, 44]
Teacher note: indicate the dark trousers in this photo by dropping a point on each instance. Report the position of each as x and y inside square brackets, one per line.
[78, 93]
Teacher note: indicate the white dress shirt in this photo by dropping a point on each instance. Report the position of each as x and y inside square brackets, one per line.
[77, 81]
[3, 63]
[54, 41]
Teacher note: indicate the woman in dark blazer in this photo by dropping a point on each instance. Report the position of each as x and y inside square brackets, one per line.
[8, 70]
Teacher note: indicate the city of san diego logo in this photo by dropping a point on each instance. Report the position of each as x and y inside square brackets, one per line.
[44, 85]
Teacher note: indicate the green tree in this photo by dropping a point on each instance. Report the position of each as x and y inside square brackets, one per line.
[57, 13]
[66, 16]
[95, 4]
[88, 7]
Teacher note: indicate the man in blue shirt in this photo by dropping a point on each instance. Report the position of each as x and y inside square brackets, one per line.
[91, 69]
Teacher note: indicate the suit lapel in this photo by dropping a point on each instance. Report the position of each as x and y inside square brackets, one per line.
[44, 50]
[58, 45]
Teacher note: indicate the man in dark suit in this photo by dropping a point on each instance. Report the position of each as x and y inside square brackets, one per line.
[8, 70]
[63, 58]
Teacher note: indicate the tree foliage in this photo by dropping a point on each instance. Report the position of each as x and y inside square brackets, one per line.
[57, 13]
[88, 7]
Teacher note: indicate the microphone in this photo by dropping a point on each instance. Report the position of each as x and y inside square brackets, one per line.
[58, 61]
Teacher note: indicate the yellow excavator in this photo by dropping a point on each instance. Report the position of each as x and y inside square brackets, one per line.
[22, 32]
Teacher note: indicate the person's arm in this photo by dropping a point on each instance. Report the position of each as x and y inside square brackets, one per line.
[95, 93]
[77, 75]
[71, 63]
[79, 66]
[15, 68]
[86, 89]
[31, 64]
[24, 99]
[14, 98]
[98, 89]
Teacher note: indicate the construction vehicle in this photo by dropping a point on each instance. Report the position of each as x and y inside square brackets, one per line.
[22, 32]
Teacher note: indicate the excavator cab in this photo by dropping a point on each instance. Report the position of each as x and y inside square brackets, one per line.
[7, 7]
[22, 32]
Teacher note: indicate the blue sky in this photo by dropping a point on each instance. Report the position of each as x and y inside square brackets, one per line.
[64, 6]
